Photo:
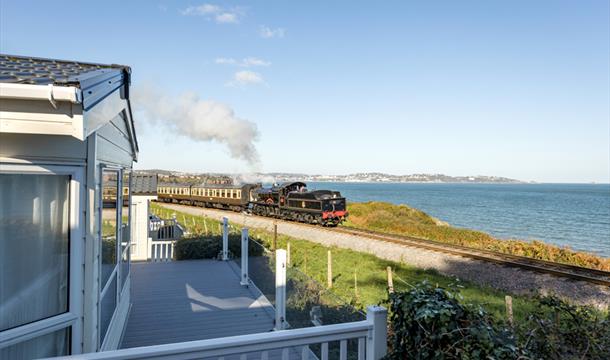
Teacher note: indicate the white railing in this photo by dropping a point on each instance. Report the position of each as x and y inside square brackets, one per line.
[162, 250]
[370, 335]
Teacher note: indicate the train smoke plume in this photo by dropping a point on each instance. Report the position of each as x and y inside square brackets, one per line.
[200, 120]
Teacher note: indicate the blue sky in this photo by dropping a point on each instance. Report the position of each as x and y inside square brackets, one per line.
[513, 88]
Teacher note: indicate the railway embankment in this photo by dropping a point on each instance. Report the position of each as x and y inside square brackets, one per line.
[487, 274]
[406, 221]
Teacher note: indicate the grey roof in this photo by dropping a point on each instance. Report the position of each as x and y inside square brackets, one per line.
[96, 81]
[173, 184]
[40, 71]
[144, 184]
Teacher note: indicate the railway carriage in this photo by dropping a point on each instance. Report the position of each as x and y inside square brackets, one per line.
[174, 193]
[230, 197]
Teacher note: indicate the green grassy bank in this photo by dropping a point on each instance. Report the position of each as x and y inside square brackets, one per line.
[404, 220]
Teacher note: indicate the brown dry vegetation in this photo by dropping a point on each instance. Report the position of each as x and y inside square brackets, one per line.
[403, 220]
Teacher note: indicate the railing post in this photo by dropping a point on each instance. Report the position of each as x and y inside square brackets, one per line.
[244, 257]
[225, 239]
[280, 289]
[376, 341]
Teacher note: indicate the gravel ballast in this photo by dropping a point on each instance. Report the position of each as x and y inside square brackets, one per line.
[509, 279]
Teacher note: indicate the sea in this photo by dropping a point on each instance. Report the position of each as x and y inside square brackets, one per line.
[573, 215]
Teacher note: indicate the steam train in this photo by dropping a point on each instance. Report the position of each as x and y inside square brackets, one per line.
[288, 201]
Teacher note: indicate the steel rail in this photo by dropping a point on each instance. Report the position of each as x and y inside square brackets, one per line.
[574, 272]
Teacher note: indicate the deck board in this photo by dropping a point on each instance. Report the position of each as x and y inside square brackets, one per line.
[192, 300]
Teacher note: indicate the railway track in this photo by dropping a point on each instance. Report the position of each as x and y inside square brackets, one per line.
[573, 272]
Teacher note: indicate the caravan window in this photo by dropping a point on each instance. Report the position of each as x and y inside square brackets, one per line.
[34, 247]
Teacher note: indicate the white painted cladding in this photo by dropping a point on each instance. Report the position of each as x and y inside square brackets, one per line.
[36, 132]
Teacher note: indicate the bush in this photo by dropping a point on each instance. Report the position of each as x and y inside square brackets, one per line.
[564, 331]
[210, 247]
[430, 323]
[108, 251]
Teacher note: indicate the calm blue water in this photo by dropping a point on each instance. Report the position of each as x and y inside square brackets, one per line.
[576, 215]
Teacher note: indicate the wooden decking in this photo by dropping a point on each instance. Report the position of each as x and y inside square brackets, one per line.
[192, 300]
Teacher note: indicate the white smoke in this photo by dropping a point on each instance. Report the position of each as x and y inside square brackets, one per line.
[198, 119]
[251, 178]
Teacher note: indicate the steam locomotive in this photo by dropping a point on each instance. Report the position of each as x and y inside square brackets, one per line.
[288, 201]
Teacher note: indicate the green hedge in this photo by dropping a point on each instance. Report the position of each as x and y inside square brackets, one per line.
[429, 322]
[209, 247]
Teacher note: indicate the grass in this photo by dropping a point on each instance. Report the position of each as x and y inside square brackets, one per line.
[404, 220]
[310, 258]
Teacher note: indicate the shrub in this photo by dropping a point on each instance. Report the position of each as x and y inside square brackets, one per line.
[210, 247]
[108, 250]
[430, 323]
[561, 330]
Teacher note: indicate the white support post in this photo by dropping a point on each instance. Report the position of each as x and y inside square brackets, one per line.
[244, 257]
[225, 239]
[280, 289]
[376, 341]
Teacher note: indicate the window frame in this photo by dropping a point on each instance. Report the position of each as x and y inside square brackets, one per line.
[76, 235]
[104, 288]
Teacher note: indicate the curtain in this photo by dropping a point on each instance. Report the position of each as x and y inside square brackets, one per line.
[34, 250]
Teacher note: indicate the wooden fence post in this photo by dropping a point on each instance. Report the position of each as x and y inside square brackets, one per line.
[509, 309]
[288, 253]
[329, 279]
[274, 237]
[355, 283]
[390, 280]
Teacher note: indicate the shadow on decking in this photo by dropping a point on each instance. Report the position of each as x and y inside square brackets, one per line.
[192, 300]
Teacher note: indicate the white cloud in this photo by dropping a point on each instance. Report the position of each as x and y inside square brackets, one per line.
[225, 61]
[204, 9]
[252, 61]
[245, 62]
[246, 77]
[268, 33]
[214, 12]
[227, 18]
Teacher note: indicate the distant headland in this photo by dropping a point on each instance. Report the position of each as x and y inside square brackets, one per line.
[364, 177]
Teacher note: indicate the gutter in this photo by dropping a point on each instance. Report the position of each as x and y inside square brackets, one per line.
[41, 92]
